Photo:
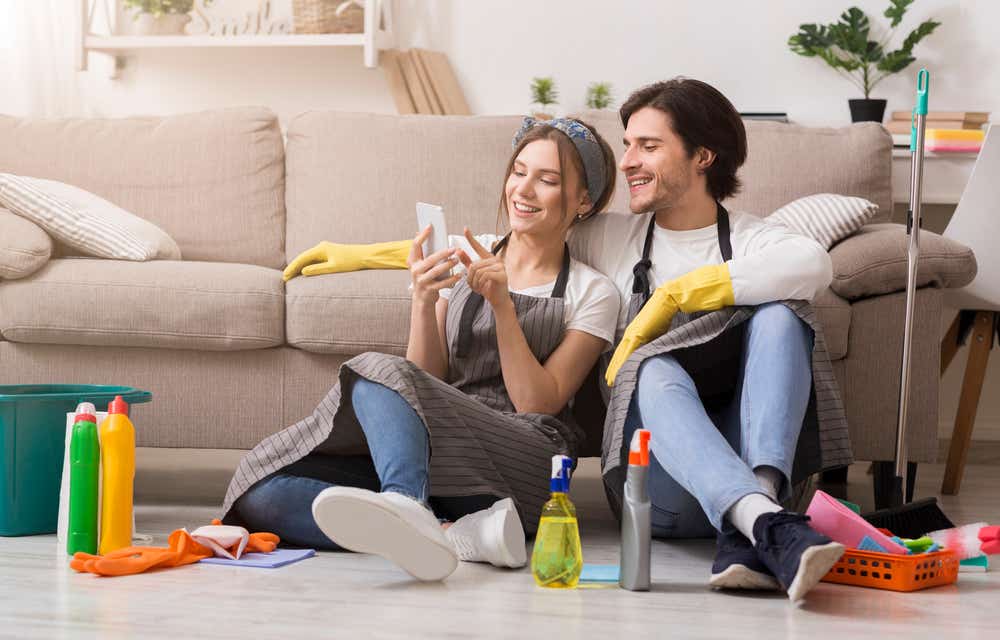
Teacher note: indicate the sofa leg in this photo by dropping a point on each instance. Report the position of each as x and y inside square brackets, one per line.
[972, 385]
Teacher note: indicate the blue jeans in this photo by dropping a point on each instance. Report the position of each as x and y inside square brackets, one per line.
[399, 461]
[702, 461]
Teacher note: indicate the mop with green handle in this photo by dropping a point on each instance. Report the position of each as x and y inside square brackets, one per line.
[902, 517]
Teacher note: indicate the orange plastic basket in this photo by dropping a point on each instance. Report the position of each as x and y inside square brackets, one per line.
[894, 572]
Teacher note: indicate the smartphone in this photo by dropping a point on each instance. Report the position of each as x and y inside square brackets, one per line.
[432, 215]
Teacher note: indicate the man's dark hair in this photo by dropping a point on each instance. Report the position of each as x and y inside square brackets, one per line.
[702, 117]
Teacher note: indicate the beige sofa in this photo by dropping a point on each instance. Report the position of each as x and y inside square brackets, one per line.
[232, 354]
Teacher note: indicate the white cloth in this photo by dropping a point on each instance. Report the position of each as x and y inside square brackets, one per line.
[220, 538]
[591, 301]
[770, 262]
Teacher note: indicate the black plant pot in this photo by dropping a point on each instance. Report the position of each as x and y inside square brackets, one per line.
[865, 110]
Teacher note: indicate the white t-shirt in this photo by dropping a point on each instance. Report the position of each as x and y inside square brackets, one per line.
[770, 262]
[591, 302]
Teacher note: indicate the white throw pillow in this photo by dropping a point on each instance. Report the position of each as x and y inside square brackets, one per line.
[84, 221]
[827, 218]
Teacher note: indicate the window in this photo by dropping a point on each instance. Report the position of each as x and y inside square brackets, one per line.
[6, 18]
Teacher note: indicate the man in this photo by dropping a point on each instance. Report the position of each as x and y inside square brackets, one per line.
[725, 395]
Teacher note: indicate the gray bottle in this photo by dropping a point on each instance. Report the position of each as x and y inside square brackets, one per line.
[636, 528]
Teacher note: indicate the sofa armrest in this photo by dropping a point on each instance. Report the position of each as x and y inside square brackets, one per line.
[873, 262]
[24, 246]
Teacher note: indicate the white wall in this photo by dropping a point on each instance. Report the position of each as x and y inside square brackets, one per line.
[497, 46]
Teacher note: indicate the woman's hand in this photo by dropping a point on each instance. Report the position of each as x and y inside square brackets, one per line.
[430, 274]
[487, 276]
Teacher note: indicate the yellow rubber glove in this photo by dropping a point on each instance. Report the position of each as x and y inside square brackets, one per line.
[330, 257]
[704, 289]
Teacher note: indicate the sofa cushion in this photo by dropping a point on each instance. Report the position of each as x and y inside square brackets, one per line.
[834, 314]
[213, 181]
[349, 313]
[24, 246]
[874, 262]
[786, 162]
[357, 177]
[181, 305]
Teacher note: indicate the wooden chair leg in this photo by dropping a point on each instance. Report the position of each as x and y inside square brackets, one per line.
[968, 404]
[949, 344]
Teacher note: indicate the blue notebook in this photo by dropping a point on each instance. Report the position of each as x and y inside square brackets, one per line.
[277, 558]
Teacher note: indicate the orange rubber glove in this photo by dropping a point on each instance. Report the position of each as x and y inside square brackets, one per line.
[704, 289]
[181, 549]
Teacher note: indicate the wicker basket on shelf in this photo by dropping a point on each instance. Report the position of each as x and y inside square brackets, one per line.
[320, 16]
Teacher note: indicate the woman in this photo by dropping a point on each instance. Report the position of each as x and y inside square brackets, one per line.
[465, 427]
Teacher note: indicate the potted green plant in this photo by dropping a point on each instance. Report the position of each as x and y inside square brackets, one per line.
[850, 47]
[599, 95]
[543, 96]
[157, 17]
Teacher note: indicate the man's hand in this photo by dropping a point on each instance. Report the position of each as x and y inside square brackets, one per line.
[704, 289]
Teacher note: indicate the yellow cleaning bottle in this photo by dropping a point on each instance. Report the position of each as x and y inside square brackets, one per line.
[557, 559]
[117, 475]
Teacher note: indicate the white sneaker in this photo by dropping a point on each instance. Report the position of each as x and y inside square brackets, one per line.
[390, 525]
[493, 535]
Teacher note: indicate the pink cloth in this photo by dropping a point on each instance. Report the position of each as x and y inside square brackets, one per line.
[834, 520]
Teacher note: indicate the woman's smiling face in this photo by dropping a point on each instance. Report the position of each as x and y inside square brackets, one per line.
[534, 191]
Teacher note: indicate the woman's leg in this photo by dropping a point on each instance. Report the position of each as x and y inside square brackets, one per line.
[397, 439]
[282, 504]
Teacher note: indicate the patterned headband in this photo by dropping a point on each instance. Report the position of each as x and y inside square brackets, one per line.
[586, 145]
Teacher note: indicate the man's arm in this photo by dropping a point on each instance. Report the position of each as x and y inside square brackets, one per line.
[779, 264]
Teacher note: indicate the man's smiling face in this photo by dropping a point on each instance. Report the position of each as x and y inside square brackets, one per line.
[657, 167]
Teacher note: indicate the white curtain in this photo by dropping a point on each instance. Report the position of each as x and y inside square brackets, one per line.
[38, 58]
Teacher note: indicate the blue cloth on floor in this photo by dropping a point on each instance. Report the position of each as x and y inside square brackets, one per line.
[600, 573]
[277, 558]
[867, 544]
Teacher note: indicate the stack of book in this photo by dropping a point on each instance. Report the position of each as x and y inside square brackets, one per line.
[946, 131]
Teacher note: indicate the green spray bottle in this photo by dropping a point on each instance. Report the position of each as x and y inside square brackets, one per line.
[84, 460]
[557, 559]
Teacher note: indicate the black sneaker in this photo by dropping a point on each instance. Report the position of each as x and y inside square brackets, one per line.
[796, 554]
[737, 566]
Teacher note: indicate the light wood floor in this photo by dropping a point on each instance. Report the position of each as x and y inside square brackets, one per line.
[353, 596]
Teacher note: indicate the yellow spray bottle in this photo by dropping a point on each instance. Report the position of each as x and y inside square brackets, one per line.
[117, 474]
[557, 559]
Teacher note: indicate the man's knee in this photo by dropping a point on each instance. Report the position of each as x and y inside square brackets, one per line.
[776, 320]
[659, 371]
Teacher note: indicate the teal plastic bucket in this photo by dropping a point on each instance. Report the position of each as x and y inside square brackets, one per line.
[32, 443]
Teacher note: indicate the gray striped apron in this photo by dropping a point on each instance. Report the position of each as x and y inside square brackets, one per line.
[709, 345]
[480, 445]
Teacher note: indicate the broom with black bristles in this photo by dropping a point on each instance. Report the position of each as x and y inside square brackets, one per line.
[903, 518]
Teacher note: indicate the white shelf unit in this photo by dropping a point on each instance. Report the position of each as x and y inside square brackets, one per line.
[378, 35]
